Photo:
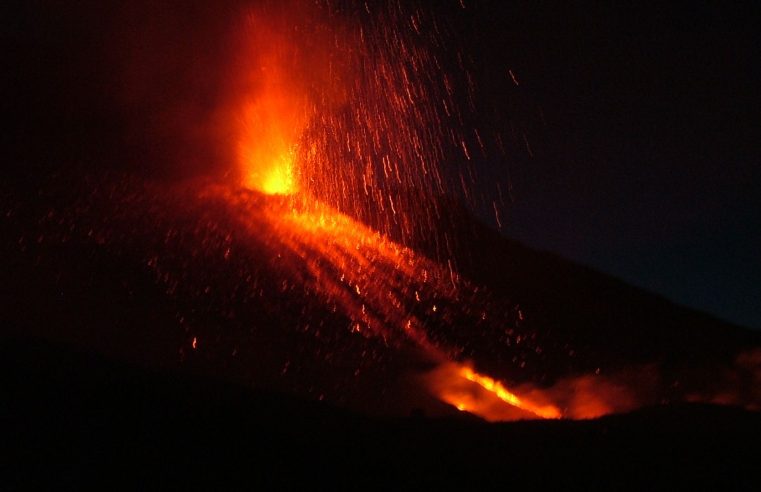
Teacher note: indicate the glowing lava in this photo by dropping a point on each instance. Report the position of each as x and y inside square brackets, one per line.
[351, 105]
[279, 179]
[495, 387]
[469, 391]
[387, 290]
[270, 108]
[360, 127]
[270, 125]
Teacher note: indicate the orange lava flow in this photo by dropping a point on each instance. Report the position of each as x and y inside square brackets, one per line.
[543, 411]
[337, 119]
[382, 286]
[386, 289]
[469, 391]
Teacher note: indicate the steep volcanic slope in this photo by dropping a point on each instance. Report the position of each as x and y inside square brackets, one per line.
[203, 275]
[151, 273]
[258, 289]
[609, 321]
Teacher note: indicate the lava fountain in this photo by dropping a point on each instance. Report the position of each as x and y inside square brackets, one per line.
[350, 105]
[273, 111]
[346, 112]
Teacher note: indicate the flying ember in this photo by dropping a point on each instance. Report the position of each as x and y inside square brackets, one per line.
[354, 119]
[353, 106]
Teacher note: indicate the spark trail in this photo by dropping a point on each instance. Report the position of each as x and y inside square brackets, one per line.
[353, 105]
[349, 112]
[388, 291]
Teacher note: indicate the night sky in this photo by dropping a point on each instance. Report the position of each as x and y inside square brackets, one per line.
[643, 123]
[633, 131]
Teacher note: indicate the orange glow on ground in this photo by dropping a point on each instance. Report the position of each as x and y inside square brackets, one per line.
[469, 391]
[495, 387]
[386, 289]
[330, 118]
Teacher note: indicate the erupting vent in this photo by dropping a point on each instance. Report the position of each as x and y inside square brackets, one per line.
[351, 114]
[354, 107]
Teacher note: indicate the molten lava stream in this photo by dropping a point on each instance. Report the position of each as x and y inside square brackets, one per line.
[378, 283]
[302, 107]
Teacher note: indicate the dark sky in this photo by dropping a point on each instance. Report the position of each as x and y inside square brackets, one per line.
[643, 123]
[642, 120]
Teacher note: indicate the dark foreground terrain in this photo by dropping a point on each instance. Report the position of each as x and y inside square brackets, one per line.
[70, 417]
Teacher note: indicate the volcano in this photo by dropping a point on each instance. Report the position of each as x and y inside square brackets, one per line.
[195, 309]
[244, 286]
[254, 249]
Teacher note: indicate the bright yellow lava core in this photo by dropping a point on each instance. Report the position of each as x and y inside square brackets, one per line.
[279, 178]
